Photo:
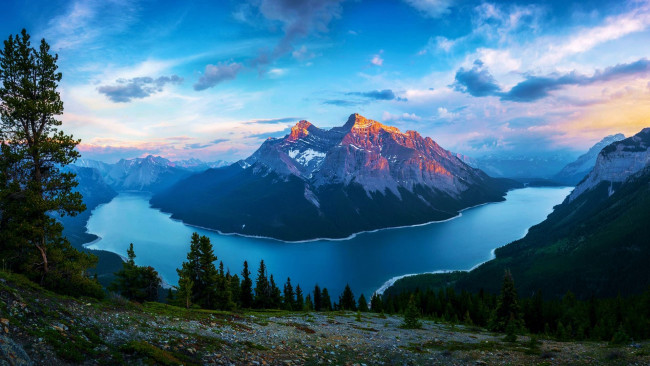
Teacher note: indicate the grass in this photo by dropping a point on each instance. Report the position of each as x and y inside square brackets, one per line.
[154, 355]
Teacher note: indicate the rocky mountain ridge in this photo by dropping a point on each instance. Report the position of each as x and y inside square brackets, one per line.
[617, 162]
[574, 172]
[317, 183]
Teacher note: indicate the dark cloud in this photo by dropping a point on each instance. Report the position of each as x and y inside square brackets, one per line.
[201, 146]
[477, 81]
[137, 88]
[342, 103]
[215, 74]
[385, 94]
[299, 18]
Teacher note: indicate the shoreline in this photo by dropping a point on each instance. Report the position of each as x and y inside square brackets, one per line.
[349, 237]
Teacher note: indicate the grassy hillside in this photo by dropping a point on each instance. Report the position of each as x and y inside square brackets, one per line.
[40, 327]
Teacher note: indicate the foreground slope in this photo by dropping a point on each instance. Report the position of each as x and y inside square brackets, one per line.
[594, 244]
[42, 328]
[316, 183]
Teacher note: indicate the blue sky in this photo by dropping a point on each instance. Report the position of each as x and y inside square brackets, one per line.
[212, 79]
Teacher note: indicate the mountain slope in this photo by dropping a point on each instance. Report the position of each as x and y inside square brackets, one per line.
[332, 183]
[152, 173]
[574, 172]
[594, 243]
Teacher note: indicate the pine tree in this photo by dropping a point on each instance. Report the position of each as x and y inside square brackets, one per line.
[246, 295]
[309, 305]
[326, 302]
[376, 303]
[262, 289]
[411, 315]
[135, 282]
[317, 298]
[235, 289]
[363, 304]
[190, 268]
[184, 292]
[289, 301]
[300, 302]
[275, 299]
[347, 300]
[223, 294]
[34, 188]
[206, 288]
[507, 309]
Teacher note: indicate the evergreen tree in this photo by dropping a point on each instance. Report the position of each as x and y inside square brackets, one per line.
[411, 315]
[363, 304]
[184, 292]
[190, 268]
[134, 282]
[206, 288]
[289, 300]
[326, 302]
[275, 299]
[262, 289]
[235, 289]
[309, 305]
[347, 300]
[317, 298]
[34, 188]
[507, 309]
[223, 293]
[300, 302]
[376, 303]
[246, 295]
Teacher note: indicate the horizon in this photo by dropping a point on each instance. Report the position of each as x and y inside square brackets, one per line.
[213, 81]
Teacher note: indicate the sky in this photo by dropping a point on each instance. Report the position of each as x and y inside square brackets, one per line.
[213, 79]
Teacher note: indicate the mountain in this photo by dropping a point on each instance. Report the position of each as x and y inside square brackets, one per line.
[152, 173]
[197, 165]
[521, 166]
[574, 172]
[316, 183]
[593, 244]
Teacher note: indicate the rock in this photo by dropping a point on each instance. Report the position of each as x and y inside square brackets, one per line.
[12, 353]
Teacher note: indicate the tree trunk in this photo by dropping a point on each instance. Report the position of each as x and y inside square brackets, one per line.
[44, 256]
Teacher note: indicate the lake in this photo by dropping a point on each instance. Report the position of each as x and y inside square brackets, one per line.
[366, 261]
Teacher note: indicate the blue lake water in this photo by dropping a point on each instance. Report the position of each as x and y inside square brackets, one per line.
[366, 261]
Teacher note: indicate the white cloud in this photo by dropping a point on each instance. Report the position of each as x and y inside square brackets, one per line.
[377, 60]
[431, 8]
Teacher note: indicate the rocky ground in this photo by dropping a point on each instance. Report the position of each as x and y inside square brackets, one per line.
[42, 328]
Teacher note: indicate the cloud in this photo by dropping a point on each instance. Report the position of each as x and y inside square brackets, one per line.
[377, 60]
[385, 94]
[266, 135]
[299, 19]
[342, 103]
[137, 88]
[535, 87]
[477, 81]
[215, 74]
[303, 54]
[273, 121]
[203, 145]
[431, 8]
[404, 117]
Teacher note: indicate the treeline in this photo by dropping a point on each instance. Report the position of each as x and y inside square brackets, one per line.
[615, 319]
[202, 284]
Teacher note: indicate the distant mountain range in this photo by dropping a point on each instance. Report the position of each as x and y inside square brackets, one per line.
[316, 183]
[593, 244]
[574, 172]
[519, 166]
[152, 173]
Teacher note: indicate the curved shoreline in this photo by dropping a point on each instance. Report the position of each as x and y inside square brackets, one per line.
[351, 236]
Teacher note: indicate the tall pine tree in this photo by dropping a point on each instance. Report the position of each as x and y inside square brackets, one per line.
[246, 295]
[289, 302]
[262, 289]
